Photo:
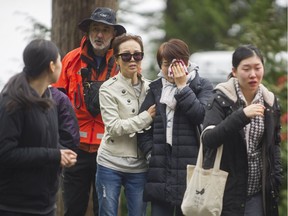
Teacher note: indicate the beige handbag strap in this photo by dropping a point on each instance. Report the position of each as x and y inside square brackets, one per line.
[200, 154]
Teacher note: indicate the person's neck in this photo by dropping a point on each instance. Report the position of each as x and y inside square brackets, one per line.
[134, 77]
[39, 85]
[100, 52]
[135, 80]
[249, 96]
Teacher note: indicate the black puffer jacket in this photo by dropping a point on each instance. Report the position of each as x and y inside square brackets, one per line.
[226, 112]
[29, 159]
[166, 180]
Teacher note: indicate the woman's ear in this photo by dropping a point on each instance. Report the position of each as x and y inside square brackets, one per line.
[52, 66]
[234, 72]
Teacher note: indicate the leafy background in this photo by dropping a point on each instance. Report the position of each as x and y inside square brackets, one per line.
[210, 25]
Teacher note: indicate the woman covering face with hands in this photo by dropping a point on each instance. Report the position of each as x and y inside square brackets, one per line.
[246, 116]
[180, 95]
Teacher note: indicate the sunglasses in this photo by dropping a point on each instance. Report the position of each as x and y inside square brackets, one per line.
[126, 57]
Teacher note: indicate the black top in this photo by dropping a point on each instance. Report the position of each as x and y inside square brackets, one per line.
[29, 159]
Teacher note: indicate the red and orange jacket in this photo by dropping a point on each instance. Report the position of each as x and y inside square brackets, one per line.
[91, 128]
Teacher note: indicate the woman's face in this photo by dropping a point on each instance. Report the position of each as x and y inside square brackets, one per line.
[164, 67]
[130, 68]
[249, 74]
[56, 67]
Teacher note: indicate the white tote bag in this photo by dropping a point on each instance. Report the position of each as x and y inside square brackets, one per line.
[205, 187]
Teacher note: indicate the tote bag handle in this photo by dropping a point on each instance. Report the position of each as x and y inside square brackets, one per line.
[217, 161]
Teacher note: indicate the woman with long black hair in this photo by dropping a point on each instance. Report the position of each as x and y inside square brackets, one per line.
[30, 157]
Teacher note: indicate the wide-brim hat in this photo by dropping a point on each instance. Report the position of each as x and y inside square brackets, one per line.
[102, 15]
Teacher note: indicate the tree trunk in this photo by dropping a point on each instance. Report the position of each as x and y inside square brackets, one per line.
[67, 14]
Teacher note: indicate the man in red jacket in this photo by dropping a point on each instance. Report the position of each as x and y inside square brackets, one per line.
[84, 69]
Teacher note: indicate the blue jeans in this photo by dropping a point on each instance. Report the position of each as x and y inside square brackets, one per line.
[108, 187]
[254, 206]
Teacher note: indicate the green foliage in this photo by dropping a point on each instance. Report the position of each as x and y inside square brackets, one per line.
[265, 25]
[35, 28]
[199, 23]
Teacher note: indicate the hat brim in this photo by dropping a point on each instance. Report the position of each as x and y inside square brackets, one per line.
[84, 26]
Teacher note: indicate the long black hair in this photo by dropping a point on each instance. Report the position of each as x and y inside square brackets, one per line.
[37, 56]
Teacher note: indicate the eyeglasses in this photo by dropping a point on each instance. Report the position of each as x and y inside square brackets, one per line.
[126, 57]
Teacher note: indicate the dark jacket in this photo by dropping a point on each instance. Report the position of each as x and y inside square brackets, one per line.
[29, 159]
[226, 112]
[68, 124]
[166, 179]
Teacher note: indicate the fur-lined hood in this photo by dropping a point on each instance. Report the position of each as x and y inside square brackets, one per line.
[229, 90]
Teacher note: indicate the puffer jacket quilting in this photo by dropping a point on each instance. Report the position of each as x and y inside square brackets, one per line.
[166, 179]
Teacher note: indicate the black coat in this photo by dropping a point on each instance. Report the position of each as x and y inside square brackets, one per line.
[29, 159]
[226, 112]
[166, 181]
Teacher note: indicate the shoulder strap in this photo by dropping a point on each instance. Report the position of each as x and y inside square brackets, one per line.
[91, 64]
[200, 154]
[110, 66]
[198, 131]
